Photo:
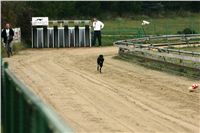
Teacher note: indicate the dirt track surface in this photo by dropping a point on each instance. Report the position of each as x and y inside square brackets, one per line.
[124, 98]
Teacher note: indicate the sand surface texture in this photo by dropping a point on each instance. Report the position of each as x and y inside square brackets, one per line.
[124, 98]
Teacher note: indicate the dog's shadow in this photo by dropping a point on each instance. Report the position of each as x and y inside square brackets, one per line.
[196, 91]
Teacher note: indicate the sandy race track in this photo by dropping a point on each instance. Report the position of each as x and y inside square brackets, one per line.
[124, 98]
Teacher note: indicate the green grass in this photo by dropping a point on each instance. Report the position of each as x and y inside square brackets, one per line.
[121, 26]
[16, 48]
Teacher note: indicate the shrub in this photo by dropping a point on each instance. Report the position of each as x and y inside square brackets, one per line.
[16, 48]
[187, 31]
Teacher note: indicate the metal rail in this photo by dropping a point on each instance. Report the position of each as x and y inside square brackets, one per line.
[149, 42]
[25, 112]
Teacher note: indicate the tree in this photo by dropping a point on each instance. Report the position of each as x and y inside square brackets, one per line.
[19, 13]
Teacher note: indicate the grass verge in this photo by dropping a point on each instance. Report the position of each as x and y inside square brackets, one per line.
[16, 48]
[157, 26]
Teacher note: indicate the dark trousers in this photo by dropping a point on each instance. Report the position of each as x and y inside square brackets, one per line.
[97, 34]
[8, 48]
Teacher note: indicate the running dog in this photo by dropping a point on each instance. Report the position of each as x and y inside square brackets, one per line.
[100, 61]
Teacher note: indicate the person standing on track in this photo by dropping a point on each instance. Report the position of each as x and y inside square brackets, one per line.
[97, 25]
[7, 35]
[100, 61]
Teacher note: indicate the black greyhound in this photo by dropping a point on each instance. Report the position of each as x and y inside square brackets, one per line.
[100, 61]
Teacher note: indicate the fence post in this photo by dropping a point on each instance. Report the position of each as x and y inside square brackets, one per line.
[16, 109]
[34, 121]
[199, 28]
[8, 125]
[41, 124]
[166, 29]
[154, 29]
[21, 113]
[3, 97]
[192, 27]
[27, 117]
[12, 109]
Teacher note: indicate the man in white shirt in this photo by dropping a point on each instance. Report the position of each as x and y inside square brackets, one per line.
[97, 25]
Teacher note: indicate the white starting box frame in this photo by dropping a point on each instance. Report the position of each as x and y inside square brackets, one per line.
[61, 33]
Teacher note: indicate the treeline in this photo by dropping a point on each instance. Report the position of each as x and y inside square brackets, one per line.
[19, 13]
